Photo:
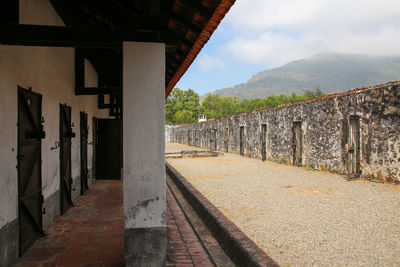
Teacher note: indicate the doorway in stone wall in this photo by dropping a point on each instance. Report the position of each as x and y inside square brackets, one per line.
[66, 135]
[196, 138]
[30, 199]
[226, 139]
[263, 142]
[353, 153]
[241, 140]
[213, 141]
[297, 143]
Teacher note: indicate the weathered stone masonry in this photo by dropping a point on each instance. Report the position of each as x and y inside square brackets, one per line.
[355, 133]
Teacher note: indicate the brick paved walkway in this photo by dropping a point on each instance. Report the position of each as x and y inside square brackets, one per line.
[91, 234]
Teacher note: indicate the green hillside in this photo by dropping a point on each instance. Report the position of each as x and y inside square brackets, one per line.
[330, 72]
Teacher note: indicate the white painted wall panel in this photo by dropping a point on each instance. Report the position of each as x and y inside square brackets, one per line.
[50, 72]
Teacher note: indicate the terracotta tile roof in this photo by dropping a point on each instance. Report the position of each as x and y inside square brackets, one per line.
[219, 13]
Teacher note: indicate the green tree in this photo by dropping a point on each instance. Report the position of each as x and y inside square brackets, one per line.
[215, 106]
[183, 116]
[182, 106]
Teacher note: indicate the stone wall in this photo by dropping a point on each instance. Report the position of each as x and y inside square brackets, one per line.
[327, 134]
[168, 132]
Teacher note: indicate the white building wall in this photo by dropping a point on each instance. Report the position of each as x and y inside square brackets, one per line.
[49, 72]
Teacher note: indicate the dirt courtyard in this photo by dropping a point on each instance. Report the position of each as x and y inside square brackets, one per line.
[301, 217]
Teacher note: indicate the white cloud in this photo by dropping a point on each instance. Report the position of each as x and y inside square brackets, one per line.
[275, 32]
[273, 48]
[207, 62]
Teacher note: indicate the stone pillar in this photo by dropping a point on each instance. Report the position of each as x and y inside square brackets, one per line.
[144, 154]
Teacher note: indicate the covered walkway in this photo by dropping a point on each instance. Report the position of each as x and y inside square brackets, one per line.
[92, 234]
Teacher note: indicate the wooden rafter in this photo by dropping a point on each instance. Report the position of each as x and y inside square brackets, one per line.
[40, 35]
[109, 90]
[185, 22]
[198, 7]
[9, 11]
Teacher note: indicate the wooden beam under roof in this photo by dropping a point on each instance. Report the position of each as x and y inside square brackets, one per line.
[109, 90]
[9, 11]
[40, 35]
[152, 9]
[185, 22]
[79, 69]
[198, 7]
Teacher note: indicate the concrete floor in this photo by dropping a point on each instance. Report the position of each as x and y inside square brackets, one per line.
[92, 234]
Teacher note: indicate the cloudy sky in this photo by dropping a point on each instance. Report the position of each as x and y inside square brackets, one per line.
[262, 34]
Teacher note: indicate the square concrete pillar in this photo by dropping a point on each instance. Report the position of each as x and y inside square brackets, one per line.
[144, 154]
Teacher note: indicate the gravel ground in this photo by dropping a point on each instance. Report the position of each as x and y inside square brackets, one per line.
[301, 217]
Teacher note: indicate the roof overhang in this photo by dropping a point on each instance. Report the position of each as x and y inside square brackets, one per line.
[97, 29]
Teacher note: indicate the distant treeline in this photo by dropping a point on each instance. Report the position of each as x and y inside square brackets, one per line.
[184, 106]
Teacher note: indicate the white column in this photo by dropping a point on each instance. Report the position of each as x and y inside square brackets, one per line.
[144, 154]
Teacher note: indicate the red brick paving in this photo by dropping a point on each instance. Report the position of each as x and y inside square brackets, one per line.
[184, 247]
[91, 234]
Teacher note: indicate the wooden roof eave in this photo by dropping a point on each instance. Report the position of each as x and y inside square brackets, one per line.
[201, 40]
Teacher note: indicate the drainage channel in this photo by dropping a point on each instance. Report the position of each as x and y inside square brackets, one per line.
[210, 245]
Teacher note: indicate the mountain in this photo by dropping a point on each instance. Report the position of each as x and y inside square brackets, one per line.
[329, 72]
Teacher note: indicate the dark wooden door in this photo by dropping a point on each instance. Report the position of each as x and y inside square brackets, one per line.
[297, 143]
[84, 146]
[354, 147]
[226, 139]
[213, 139]
[263, 142]
[94, 146]
[66, 135]
[108, 149]
[196, 138]
[30, 199]
[210, 139]
[241, 140]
